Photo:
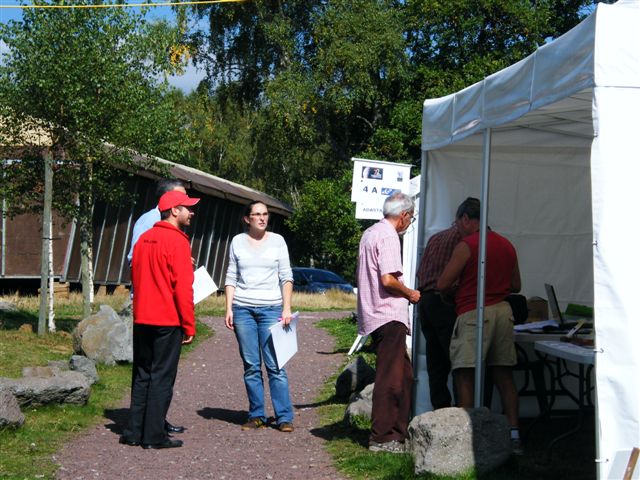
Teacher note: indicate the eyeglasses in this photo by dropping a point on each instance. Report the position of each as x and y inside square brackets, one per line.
[255, 215]
[413, 217]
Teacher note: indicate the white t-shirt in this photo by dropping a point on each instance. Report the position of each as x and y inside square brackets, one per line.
[258, 272]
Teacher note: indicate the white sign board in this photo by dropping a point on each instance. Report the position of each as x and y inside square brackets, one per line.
[368, 211]
[373, 181]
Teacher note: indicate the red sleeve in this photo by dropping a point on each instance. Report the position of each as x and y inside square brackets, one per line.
[183, 296]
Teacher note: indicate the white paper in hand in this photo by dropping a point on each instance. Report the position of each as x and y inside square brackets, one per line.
[285, 340]
[203, 285]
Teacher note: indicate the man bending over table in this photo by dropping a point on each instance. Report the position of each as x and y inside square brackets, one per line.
[502, 277]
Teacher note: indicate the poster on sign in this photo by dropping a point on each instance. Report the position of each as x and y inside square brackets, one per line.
[373, 181]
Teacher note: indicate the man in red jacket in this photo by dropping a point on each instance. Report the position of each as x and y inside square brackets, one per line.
[163, 313]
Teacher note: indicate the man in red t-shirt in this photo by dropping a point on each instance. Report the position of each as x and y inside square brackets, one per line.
[502, 277]
[438, 314]
[164, 319]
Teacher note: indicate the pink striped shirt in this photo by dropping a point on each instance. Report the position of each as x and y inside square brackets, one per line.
[379, 254]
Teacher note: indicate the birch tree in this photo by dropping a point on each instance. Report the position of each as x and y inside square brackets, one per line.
[89, 81]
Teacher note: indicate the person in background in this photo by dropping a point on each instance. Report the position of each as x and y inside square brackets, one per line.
[144, 223]
[383, 314]
[258, 289]
[502, 277]
[437, 315]
[148, 219]
[164, 319]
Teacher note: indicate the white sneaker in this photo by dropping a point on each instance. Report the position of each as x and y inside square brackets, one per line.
[394, 446]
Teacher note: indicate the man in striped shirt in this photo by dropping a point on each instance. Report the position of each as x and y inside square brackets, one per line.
[383, 314]
[438, 315]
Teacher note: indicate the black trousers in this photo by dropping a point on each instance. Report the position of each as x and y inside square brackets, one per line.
[156, 351]
[391, 403]
[437, 320]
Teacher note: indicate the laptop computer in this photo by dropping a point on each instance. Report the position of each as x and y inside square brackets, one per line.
[564, 321]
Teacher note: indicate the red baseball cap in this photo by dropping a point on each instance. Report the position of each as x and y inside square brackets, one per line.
[174, 198]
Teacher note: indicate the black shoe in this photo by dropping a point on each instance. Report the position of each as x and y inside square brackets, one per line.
[125, 441]
[173, 428]
[168, 443]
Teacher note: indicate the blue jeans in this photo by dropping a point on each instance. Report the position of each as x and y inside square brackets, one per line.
[251, 326]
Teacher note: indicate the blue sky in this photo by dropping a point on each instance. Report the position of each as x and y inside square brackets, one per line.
[186, 82]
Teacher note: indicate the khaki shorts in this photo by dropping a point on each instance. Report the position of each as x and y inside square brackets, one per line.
[498, 347]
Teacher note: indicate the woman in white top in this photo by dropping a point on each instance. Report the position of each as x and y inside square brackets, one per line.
[258, 288]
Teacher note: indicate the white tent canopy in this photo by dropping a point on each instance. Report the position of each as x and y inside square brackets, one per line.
[564, 129]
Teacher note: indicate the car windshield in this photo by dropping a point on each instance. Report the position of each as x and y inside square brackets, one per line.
[325, 277]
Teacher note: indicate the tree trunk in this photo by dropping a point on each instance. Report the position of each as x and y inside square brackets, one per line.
[85, 222]
[47, 252]
[51, 314]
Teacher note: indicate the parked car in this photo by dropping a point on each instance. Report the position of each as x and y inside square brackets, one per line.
[316, 280]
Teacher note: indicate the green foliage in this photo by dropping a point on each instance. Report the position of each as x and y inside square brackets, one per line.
[308, 84]
[220, 137]
[250, 43]
[454, 44]
[319, 78]
[82, 84]
[324, 227]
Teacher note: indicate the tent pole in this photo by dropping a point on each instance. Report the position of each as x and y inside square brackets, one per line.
[482, 256]
[421, 399]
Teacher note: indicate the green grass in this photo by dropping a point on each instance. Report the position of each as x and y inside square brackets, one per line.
[572, 459]
[348, 444]
[214, 306]
[26, 452]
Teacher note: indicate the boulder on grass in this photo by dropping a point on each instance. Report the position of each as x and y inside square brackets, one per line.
[78, 363]
[86, 366]
[7, 307]
[360, 405]
[451, 441]
[104, 337]
[355, 376]
[10, 414]
[53, 387]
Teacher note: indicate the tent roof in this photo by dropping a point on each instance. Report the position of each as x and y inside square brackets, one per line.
[549, 90]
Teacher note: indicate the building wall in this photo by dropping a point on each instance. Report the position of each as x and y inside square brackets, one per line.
[216, 221]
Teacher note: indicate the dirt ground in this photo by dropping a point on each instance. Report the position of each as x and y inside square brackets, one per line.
[210, 401]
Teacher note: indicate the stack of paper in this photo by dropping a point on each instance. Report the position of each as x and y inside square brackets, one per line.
[285, 340]
[203, 285]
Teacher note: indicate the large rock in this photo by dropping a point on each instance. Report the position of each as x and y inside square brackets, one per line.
[451, 441]
[355, 376]
[78, 363]
[104, 337]
[10, 414]
[48, 385]
[360, 405]
[85, 366]
[7, 307]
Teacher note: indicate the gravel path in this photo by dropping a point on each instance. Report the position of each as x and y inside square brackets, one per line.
[210, 400]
